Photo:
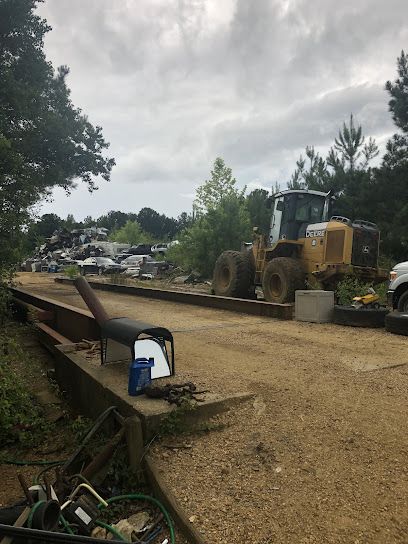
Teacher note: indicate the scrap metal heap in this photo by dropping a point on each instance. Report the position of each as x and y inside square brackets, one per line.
[70, 248]
[86, 498]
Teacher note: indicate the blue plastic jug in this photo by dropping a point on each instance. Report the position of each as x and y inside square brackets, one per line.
[139, 375]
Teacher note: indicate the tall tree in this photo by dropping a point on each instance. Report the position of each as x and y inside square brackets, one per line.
[391, 179]
[398, 91]
[131, 233]
[70, 222]
[44, 140]
[158, 225]
[220, 185]
[88, 221]
[350, 153]
[224, 226]
[48, 224]
[222, 223]
[184, 221]
[114, 220]
[257, 205]
[311, 172]
[350, 147]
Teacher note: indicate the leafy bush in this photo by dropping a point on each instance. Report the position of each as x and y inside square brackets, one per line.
[381, 290]
[223, 227]
[131, 233]
[351, 287]
[6, 278]
[20, 418]
[71, 271]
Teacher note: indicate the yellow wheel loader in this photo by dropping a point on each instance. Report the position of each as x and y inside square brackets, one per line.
[304, 246]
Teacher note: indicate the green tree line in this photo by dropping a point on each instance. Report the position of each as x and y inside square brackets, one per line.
[143, 227]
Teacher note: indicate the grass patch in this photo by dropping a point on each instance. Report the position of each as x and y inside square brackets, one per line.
[176, 422]
[20, 417]
[71, 271]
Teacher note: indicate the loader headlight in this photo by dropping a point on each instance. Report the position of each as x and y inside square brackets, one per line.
[393, 275]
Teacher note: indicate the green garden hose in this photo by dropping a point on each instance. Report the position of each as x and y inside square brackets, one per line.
[32, 512]
[61, 518]
[140, 496]
[29, 463]
[66, 525]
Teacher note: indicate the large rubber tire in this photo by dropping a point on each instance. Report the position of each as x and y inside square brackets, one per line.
[403, 303]
[233, 275]
[397, 323]
[282, 277]
[359, 317]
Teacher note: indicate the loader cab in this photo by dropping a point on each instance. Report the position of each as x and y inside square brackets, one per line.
[294, 210]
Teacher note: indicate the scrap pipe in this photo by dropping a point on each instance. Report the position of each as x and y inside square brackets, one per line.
[24, 487]
[103, 456]
[91, 300]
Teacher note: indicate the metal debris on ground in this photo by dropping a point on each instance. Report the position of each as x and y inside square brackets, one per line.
[174, 393]
[91, 347]
[85, 504]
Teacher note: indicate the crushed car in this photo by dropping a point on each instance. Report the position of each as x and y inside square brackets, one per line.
[99, 265]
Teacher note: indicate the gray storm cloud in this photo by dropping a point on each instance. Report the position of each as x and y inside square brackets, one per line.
[176, 83]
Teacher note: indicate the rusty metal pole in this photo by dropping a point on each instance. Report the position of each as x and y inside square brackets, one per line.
[91, 300]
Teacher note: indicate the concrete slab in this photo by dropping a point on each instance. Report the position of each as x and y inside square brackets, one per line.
[93, 388]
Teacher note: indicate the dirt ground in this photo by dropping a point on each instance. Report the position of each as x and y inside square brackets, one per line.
[319, 455]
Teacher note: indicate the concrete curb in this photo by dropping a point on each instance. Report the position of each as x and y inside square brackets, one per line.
[240, 305]
[164, 494]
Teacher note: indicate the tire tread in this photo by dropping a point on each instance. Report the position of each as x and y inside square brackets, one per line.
[241, 277]
[356, 317]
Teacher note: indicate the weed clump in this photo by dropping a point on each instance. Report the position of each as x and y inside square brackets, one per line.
[20, 418]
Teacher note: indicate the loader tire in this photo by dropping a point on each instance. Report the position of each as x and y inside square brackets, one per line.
[397, 323]
[282, 277]
[233, 275]
[359, 317]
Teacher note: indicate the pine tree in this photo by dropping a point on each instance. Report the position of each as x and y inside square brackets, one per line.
[220, 185]
[398, 90]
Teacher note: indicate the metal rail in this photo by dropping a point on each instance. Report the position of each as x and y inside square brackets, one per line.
[240, 305]
[64, 322]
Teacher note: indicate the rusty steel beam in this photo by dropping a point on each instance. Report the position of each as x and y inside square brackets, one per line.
[33, 313]
[53, 336]
[91, 300]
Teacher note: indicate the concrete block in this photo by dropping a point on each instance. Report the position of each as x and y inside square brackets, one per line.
[314, 306]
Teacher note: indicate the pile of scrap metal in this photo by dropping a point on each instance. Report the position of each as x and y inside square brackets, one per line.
[65, 248]
[83, 500]
[94, 254]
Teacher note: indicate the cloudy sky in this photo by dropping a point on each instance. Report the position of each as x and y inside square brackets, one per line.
[176, 83]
